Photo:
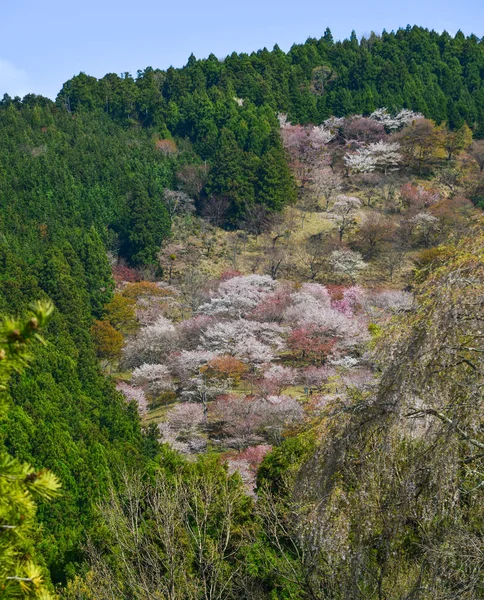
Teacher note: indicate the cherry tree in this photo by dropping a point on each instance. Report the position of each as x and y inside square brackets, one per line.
[326, 184]
[133, 394]
[334, 124]
[203, 389]
[344, 210]
[386, 155]
[381, 155]
[349, 263]
[307, 310]
[178, 203]
[235, 418]
[276, 414]
[317, 291]
[390, 302]
[425, 226]
[191, 330]
[249, 340]
[154, 379]
[416, 197]
[182, 426]
[187, 363]
[360, 161]
[271, 307]
[238, 296]
[362, 130]
[242, 421]
[306, 147]
[314, 377]
[395, 122]
[151, 344]
[352, 298]
[313, 342]
[319, 138]
[277, 378]
[246, 463]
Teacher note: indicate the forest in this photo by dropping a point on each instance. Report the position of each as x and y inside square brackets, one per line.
[241, 346]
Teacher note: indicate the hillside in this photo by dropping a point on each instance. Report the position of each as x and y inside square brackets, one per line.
[251, 262]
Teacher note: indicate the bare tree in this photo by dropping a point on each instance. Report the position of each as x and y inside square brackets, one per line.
[345, 209]
[176, 537]
[215, 210]
[477, 152]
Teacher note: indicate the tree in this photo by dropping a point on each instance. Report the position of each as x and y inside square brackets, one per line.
[391, 453]
[155, 379]
[120, 313]
[238, 296]
[21, 484]
[275, 185]
[477, 152]
[326, 184]
[421, 144]
[225, 368]
[178, 203]
[417, 197]
[454, 142]
[383, 156]
[148, 225]
[312, 342]
[344, 209]
[392, 123]
[176, 535]
[185, 364]
[362, 130]
[192, 179]
[277, 378]
[425, 226]
[372, 235]
[250, 341]
[347, 262]
[232, 176]
[151, 344]
[109, 341]
[97, 269]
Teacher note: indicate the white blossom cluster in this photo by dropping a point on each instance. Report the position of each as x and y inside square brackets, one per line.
[395, 122]
[383, 156]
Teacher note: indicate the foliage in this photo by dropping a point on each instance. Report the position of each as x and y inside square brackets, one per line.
[391, 502]
[21, 485]
[109, 342]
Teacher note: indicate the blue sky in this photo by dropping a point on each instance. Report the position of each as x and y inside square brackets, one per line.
[42, 44]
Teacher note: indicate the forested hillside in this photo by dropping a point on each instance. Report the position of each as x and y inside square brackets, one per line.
[229, 248]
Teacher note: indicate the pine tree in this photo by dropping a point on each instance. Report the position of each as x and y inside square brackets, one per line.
[20, 484]
[148, 226]
[276, 186]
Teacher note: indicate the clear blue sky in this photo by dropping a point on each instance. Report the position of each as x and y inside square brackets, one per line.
[42, 44]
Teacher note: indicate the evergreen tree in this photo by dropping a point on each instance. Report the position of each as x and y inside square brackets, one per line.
[275, 184]
[148, 225]
[21, 485]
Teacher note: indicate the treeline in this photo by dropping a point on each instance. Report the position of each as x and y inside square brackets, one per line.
[436, 74]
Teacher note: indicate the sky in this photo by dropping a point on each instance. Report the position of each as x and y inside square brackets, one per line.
[43, 44]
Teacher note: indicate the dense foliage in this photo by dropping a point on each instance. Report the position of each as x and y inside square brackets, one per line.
[20, 484]
[64, 415]
[436, 74]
